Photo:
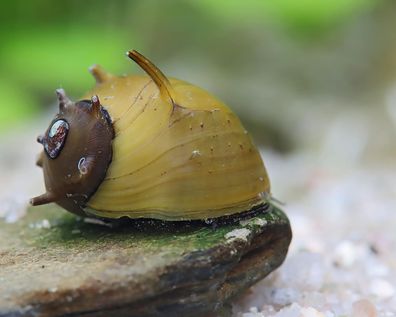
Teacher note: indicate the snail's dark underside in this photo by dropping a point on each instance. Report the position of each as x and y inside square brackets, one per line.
[218, 221]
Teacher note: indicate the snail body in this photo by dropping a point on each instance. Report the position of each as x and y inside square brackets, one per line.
[149, 147]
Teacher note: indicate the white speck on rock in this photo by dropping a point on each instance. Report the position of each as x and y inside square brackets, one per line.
[69, 299]
[253, 222]
[43, 224]
[235, 234]
[96, 221]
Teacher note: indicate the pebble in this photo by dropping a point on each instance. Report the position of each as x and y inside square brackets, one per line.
[363, 308]
[345, 254]
[290, 311]
[382, 288]
[331, 267]
[311, 312]
[295, 310]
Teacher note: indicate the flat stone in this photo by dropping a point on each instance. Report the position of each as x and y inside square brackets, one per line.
[55, 264]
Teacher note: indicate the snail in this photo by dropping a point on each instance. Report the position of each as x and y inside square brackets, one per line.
[149, 147]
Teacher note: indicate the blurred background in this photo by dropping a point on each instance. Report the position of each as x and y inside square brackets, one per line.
[314, 81]
[284, 66]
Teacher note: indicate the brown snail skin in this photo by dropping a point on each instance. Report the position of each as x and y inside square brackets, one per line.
[149, 147]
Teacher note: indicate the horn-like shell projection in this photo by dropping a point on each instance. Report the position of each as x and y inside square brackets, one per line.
[178, 153]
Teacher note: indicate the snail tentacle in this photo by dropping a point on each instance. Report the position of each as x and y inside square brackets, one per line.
[46, 198]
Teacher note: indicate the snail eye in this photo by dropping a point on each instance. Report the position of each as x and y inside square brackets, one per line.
[56, 137]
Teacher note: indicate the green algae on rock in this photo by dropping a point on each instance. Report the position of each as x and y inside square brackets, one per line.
[54, 264]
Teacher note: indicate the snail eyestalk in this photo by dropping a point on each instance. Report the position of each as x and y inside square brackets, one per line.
[63, 99]
[99, 74]
[156, 75]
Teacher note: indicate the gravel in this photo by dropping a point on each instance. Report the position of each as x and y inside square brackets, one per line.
[341, 260]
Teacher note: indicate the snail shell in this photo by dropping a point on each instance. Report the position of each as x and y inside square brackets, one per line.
[145, 146]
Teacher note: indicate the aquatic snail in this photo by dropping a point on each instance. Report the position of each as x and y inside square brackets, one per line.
[149, 147]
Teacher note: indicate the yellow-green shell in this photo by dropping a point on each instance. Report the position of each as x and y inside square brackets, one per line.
[191, 159]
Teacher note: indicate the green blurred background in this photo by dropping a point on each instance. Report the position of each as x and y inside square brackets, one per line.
[281, 65]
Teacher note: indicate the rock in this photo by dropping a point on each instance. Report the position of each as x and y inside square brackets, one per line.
[54, 264]
[346, 254]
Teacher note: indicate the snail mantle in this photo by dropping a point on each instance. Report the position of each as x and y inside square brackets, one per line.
[55, 264]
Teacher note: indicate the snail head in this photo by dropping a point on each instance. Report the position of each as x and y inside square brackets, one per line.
[77, 152]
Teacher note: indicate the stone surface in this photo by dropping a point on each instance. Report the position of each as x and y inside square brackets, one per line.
[54, 264]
